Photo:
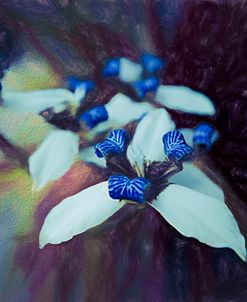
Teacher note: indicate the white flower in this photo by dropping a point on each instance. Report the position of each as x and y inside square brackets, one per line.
[190, 212]
[52, 158]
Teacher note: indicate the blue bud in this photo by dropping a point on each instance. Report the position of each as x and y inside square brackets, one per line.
[144, 86]
[74, 83]
[152, 63]
[175, 145]
[114, 144]
[204, 134]
[1, 87]
[94, 116]
[111, 68]
[121, 187]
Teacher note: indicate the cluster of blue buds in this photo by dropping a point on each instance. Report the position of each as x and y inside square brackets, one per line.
[204, 135]
[147, 80]
[136, 189]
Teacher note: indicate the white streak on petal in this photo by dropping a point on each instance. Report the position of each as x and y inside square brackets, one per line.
[194, 178]
[54, 156]
[36, 101]
[88, 155]
[129, 71]
[202, 217]
[184, 99]
[78, 213]
[122, 110]
[148, 136]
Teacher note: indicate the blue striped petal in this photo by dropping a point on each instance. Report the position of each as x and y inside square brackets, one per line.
[144, 86]
[74, 83]
[114, 144]
[94, 116]
[175, 145]
[204, 134]
[152, 63]
[121, 187]
[111, 68]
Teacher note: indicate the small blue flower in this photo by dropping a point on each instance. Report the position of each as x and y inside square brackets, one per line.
[175, 145]
[94, 116]
[74, 83]
[114, 144]
[111, 68]
[144, 86]
[204, 134]
[152, 63]
[121, 187]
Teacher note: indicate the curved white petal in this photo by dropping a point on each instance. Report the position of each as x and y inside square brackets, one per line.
[54, 156]
[36, 101]
[184, 99]
[122, 110]
[194, 178]
[202, 217]
[129, 71]
[88, 155]
[78, 213]
[147, 141]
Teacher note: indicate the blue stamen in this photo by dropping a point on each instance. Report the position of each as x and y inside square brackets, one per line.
[94, 116]
[121, 187]
[175, 145]
[144, 86]
[111, 68]
[74, 83]
[152, 63]
[114, 144]
[204, 134]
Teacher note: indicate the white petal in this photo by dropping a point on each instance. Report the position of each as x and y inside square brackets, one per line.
[184, 99]
[121, 110]
[54, 156]
[129, 71]
[147, 140]
[80, 93]
[202, 217]
[78, 213]
[36, 101]
[188, 135]
[194, 178]
[88, 155]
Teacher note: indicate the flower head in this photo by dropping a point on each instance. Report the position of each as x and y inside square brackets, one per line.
[140, 173]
